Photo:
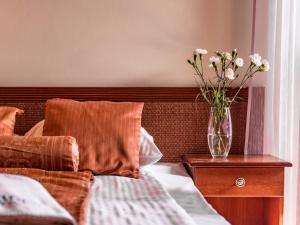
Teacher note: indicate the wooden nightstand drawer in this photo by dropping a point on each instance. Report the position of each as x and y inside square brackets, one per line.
[245, 189]
[245, 182]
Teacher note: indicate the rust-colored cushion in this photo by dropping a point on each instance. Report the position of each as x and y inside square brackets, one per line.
[8, 120]
[48, 153]
[108, 133]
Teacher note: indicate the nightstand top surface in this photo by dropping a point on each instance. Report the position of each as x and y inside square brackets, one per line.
[203, 160]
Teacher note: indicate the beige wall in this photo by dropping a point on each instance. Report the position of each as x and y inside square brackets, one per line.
[115, 42]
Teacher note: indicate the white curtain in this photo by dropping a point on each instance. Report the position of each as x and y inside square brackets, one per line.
[276, 33]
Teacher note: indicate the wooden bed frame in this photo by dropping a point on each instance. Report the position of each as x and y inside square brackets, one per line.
[171, 115]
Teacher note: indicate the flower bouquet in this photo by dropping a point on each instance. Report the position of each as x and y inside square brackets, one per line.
[228, 70]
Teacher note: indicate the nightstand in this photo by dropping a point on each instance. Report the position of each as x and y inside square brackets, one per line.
[246, 190]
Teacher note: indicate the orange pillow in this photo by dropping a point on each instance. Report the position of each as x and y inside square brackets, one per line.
[48, 153]
[8, 120]
[108, 133]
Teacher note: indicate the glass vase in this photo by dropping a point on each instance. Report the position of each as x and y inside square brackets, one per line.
[219, 132]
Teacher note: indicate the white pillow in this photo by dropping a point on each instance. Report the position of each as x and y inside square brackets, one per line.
[36, 130]
[149, 152]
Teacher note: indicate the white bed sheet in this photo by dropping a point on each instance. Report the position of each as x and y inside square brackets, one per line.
[169, 194]
[180, 186]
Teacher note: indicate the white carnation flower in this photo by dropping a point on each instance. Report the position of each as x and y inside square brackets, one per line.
[266, 65]
[256, 59]
[228, 56]
[200, 51]
[214, 59]
[229, 74]
[239, 62]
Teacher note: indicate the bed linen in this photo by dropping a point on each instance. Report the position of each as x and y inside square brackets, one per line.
[164, 195]
[180, 185]
[70, 189]
[126, 201]
[18, 206]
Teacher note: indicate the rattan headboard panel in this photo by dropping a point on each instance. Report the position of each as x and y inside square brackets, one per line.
[178, 125]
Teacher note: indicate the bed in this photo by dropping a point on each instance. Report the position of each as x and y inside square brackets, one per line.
[178, 126]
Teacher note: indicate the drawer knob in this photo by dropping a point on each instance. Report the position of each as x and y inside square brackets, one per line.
[240, 182]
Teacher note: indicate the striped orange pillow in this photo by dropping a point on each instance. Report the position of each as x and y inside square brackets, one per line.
[108, 133]
[8, 120]
[48, 153]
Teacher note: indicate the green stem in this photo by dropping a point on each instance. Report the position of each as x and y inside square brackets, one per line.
[244, 81]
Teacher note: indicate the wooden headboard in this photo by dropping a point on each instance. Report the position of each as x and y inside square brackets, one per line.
[178, 124]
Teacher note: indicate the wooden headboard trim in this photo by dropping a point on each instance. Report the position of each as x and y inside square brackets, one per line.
[144, 94]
